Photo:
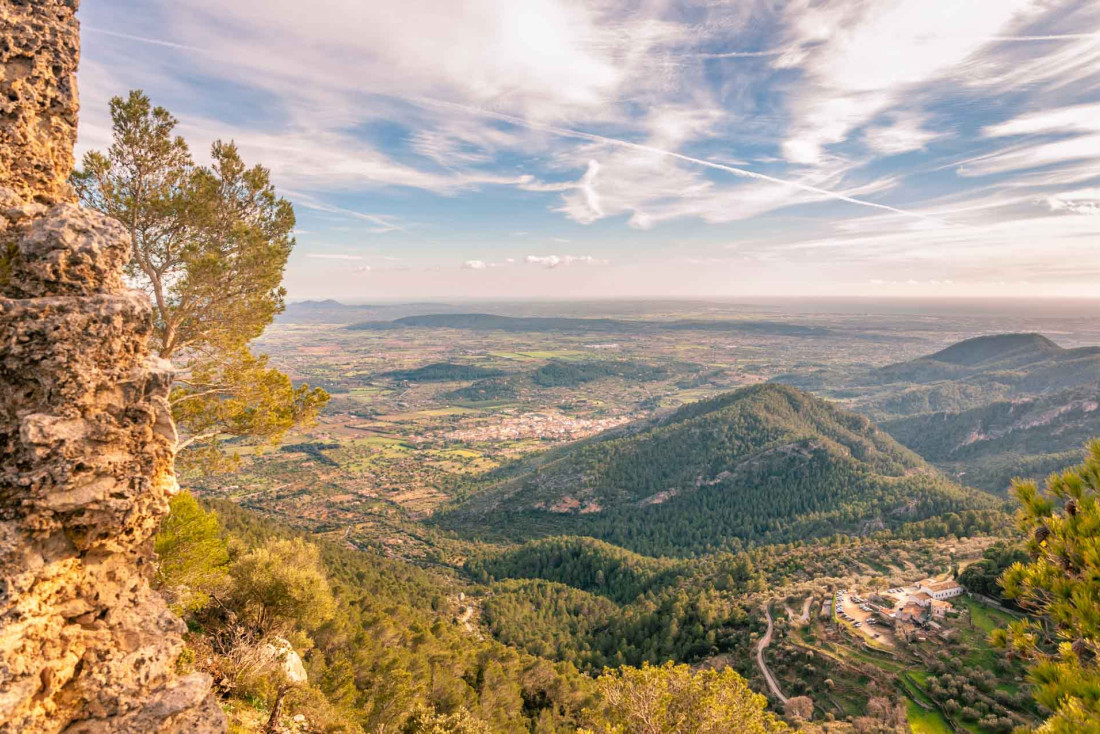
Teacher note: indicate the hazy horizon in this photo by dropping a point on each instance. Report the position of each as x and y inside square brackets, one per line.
[560, 149]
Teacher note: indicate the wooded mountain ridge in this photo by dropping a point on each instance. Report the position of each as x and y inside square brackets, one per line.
[761, 464]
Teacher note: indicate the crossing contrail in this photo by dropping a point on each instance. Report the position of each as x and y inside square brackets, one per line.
[617, 142]
[991, 39]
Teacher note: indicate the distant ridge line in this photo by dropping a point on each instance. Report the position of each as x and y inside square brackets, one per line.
[494, 322]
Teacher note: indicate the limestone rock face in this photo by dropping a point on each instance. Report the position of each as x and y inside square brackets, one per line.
[38, 100]
[86, 436]
[87, 443]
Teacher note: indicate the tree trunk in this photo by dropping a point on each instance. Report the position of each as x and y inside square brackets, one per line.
[276, 710]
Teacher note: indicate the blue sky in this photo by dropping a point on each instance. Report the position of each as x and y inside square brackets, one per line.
[556, 149]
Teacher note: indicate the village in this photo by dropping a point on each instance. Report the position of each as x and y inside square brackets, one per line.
[550, 426]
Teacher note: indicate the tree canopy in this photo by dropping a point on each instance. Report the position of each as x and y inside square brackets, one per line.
[284, 581]
[673, 699]
[192, 555]
[1061, 584]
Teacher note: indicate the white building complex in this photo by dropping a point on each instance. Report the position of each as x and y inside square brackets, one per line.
[940, 590]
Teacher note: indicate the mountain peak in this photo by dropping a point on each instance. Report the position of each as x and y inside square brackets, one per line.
[995, 347]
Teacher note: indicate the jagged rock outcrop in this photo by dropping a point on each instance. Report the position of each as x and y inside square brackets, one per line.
[86, 435]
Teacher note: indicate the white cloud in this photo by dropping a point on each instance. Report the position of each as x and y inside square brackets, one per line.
[1075, 118]
[858, 59]
[554, 261]
[1078, 131]
[549, 60]
[996, 243]
[1080, 148]
[672, 125]
[644, 115]
[483, 265]
[653, 186]
[904, 133]
[541, 55]
[332, 160]
[332, 256]
[1081, 123]
[1083, 201]
[585, 206]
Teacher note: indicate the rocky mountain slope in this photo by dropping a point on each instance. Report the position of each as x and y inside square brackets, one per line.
[983, 410]
[989, 445]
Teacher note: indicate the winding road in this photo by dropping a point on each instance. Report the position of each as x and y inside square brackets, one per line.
[760, 646]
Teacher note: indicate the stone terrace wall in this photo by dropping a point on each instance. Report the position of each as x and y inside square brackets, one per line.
[86, 436]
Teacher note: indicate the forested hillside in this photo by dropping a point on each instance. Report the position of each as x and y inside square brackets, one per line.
[966, 375]
[762, 464]
[380, 638]
[983, 410]
[571, 374]
[442, 372]
[974, 373]
[991, 444]
[499, 647]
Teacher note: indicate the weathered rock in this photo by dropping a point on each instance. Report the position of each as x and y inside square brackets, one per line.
[283, 656]
[72, 252]
[38, 100]
[86, 434]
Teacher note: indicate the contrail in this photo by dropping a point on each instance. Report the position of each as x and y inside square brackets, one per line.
[991, 39]
[1055, 37]
[151, 41]
[309, 202]
[592, 137]
[742, 54]
[742, 172]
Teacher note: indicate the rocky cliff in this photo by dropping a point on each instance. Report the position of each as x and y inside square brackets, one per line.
[86, 436]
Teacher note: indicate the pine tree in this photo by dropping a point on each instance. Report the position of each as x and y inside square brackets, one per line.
[1061, 584]
[209, 248]
[192, 555]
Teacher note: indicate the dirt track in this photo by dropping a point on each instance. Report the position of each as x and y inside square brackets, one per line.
[760, 646]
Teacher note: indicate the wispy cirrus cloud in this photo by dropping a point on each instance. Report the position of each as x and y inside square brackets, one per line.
[770, 125]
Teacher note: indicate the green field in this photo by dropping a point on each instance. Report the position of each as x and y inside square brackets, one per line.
[984, 617]
[923, 721]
